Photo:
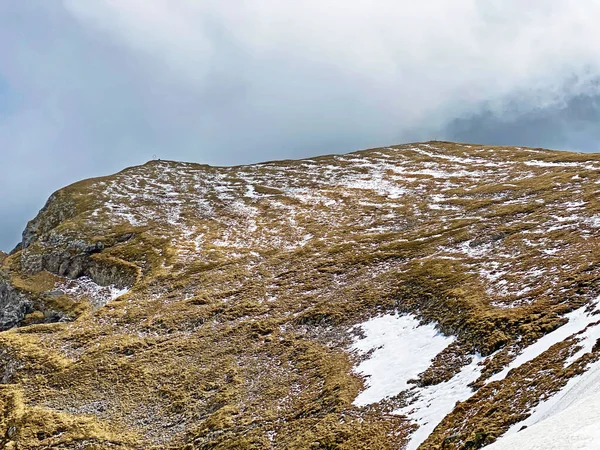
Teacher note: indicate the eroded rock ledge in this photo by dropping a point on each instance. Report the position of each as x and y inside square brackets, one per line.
[46, 255]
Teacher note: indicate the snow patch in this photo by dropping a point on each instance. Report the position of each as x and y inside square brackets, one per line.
[570, 419]
[398, 349]
[86, 287]
[587, 341]
[538, 163]
[437, 401]
[401, 348]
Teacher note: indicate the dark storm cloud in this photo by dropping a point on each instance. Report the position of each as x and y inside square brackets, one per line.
[87, 88]
[573, 126]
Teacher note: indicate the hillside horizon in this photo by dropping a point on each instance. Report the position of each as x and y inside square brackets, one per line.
[422, 296]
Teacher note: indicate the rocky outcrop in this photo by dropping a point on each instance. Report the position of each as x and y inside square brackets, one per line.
[75, 259]
[59, 256]
[14, 305]
[57, 209]
[49, 246]
[55, 242]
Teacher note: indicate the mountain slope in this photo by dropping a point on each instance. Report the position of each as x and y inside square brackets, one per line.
[336, 302]
[567, 420]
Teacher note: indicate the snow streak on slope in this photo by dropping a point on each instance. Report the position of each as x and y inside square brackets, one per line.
[578, 320]
[398, 350]
[571, 417]
[86, 287]
[436, 401]
[568, 420]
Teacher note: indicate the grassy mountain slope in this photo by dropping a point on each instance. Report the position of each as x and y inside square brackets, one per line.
[177, 305]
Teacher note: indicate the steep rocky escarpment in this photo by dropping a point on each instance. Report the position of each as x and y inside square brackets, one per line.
[63, 241]
[54, 250]
[428, 295]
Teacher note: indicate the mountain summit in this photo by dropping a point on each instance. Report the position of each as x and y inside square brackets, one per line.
[432, 296]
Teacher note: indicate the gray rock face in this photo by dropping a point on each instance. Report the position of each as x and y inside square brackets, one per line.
[53, 213]
[73, 261]
[45, 248]
[64, 251]
[14, 306]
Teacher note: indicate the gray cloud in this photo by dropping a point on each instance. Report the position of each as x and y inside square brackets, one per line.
[572, 126]
[87, 88]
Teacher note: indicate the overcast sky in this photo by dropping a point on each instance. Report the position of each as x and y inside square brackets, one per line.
[88, 87]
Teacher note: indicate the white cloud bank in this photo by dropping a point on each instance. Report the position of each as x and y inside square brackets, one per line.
[418, 60]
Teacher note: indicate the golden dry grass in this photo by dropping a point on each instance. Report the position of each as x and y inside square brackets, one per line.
[246, 280]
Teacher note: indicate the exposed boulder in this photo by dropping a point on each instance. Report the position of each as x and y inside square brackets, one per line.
[14, 305]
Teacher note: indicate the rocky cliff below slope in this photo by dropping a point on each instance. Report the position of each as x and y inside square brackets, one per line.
[430, 296]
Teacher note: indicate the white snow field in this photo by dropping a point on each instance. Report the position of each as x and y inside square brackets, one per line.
[401, 350]
[569, 420]
[397, 349]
